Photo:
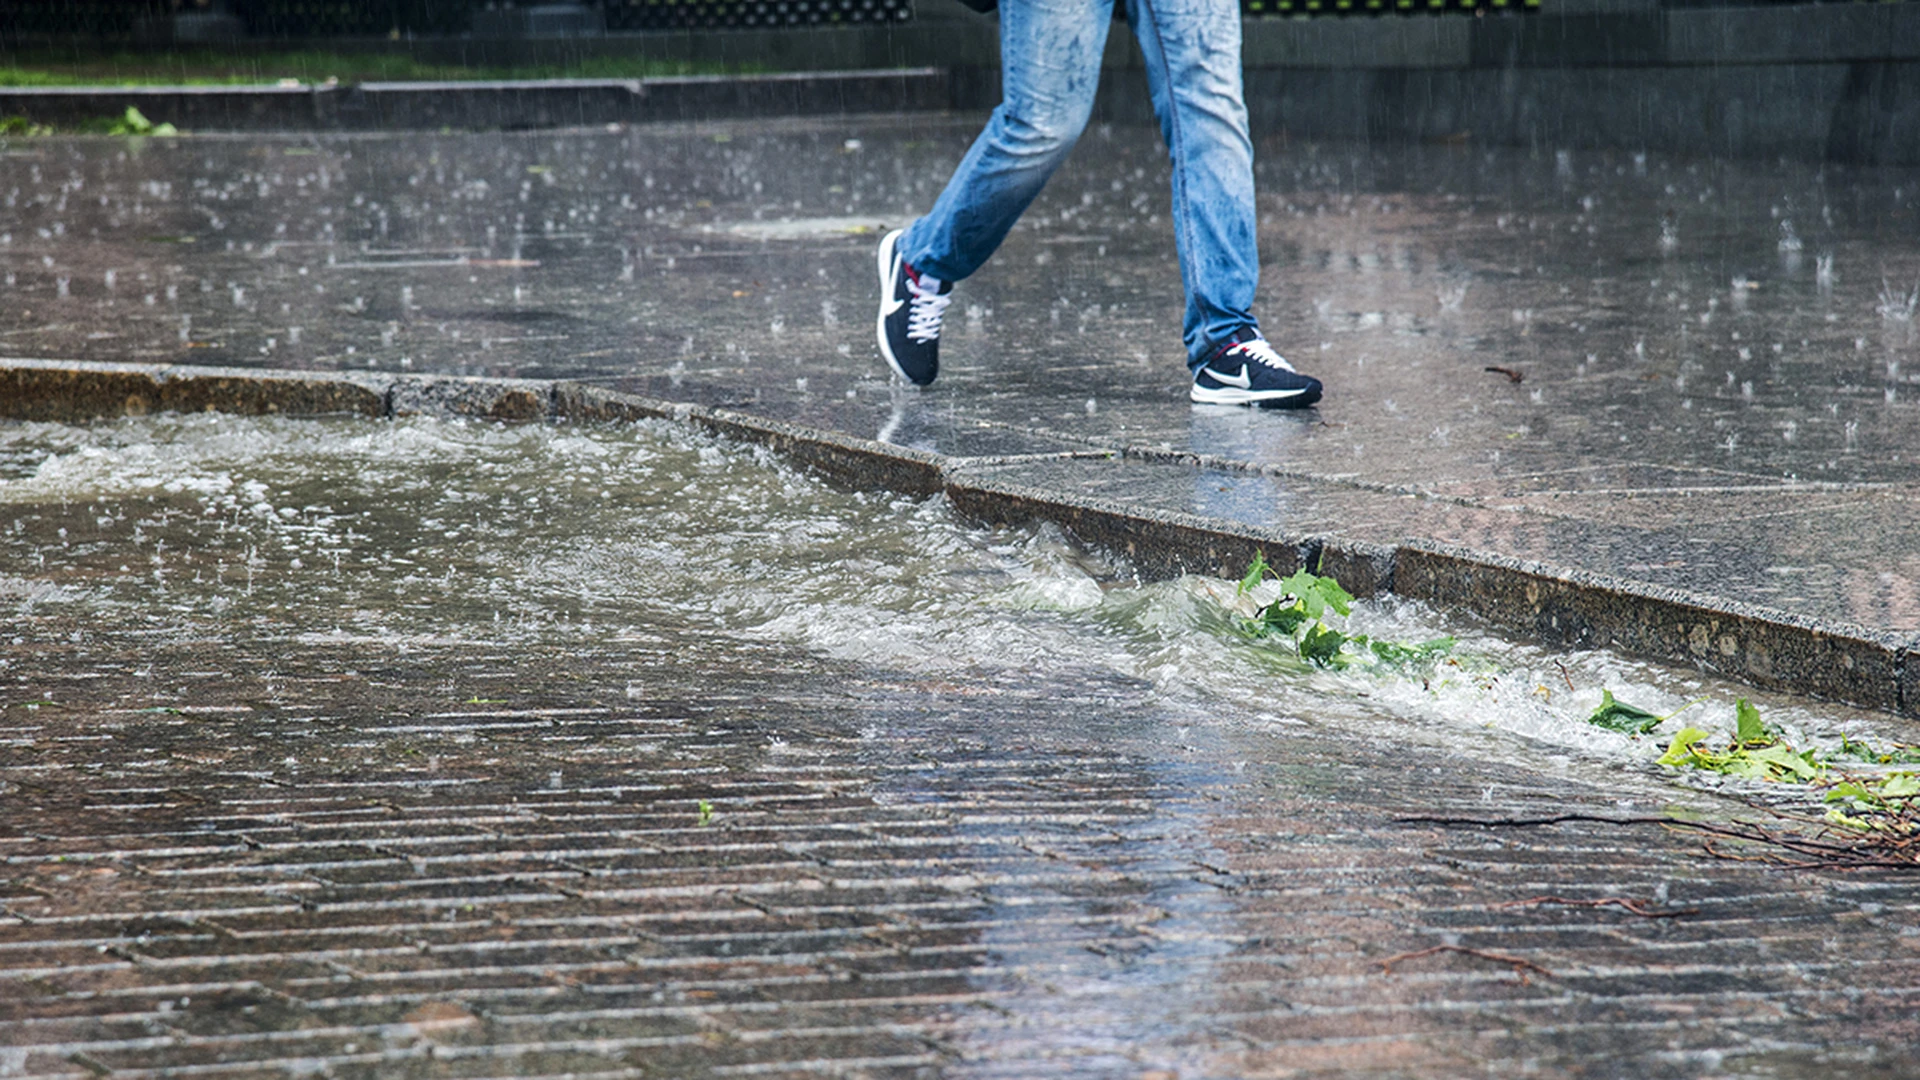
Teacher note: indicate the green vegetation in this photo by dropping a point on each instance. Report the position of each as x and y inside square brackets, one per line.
[706, 812]
[214, 67]
[1299, 617]
[131, 122]
[1864, 801]
[20, 125]
[1615, 715]
[1879, 802]
[1876, 810]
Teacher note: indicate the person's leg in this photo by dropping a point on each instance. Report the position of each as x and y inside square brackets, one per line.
[1192, 53]
[1050, 54]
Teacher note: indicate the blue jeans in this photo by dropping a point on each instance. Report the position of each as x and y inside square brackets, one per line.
[1050, 54]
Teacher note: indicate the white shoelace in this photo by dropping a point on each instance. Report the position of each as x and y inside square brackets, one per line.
[1258, 350]
[925, 311]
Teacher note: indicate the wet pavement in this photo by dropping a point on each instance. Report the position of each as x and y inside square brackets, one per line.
[403, 773]
[1717, 359]
[360, 748]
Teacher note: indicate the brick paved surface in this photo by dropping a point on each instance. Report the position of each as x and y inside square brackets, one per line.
[325, 864]
[240, 840]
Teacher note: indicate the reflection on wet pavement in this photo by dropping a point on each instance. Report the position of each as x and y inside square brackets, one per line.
[368, 748]
[1713, 356]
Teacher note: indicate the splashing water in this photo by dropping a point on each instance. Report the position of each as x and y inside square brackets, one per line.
[1895, 305]
[415, 532]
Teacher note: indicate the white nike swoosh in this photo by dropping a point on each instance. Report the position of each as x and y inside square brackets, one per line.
[892, 303]
[1240, 379]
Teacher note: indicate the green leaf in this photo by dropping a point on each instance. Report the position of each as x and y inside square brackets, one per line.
[1857, 824]
[1900, 786]
[1300, 586]
[1256, 573]
[1848, 789]
[1748, 727]
[1285, 618]
[1858, 751]
[132, 122]
[1744, 766]
[1680, 750]
[1778, 762]
[1333, 594]
[1616, 715]
[1317, 594]
[1322, 644]
[1394, 652]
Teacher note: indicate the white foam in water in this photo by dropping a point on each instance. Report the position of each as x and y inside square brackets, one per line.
[420, 532]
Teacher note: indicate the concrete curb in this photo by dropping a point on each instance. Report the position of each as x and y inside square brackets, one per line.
[1763, 646]
[1774, 649]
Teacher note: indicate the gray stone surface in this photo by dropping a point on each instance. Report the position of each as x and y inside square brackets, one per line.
[493, 399]
[1755, 646]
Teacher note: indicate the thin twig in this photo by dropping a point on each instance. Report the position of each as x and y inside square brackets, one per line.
[1512, 374]
[1871, 852]
[1635, 906]
[1520, 965]
[1521, 823]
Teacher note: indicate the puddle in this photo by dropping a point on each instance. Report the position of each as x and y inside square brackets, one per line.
[416, 533]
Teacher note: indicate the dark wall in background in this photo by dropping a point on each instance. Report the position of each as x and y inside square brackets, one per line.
[1838, 81]
[119, 20]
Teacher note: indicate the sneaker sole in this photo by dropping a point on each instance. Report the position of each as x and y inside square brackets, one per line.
[1269, 399]
[884, 259]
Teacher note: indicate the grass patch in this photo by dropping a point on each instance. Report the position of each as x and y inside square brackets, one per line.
[131, 122]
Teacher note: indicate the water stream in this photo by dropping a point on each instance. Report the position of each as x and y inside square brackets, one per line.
[410, 534]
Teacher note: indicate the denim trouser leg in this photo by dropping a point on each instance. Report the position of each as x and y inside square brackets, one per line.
[1050, 67]
[1050, 53]
[1192, 52]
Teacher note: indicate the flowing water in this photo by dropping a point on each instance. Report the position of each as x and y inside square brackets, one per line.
[406, 534]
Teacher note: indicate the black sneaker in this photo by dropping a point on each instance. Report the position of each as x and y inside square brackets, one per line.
[1246, 371]
[911, 305]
